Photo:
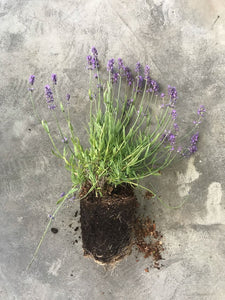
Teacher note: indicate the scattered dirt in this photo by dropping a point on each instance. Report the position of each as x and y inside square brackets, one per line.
[148, 195]
[148, 239]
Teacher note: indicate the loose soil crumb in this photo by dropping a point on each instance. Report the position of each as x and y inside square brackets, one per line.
[148, 239]
[54, 230]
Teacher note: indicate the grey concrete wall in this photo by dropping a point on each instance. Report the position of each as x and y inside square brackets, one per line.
[184, 43]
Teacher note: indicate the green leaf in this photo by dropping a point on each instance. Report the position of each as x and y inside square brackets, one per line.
[45, 126]
[61, 107]
[57, 155]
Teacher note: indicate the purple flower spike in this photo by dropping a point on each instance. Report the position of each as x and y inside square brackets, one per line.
[67, 97]
[52, 107]
[172, 92]
[110, 65]
[95, 63]
[155, 86]
[94, 51]
[49, 97]
[147, 71]
[49, 94]
[171, 139]
[201, 111]
[194, 139]
[139, 83]
[138, 67]
[31, 79]
[174, 114]
[120, 63]
[176, 127]
[54, 78]
[62, 194]
[193, 147]
[89, 62]
[96, 76]
[162, 95]
[129, 76]
[115, 77]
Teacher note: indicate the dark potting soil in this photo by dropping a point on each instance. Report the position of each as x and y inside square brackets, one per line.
[107, 223]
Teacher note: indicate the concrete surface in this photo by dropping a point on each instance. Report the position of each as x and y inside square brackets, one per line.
[184, 42]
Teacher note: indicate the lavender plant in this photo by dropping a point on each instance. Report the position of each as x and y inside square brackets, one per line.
[133, 130]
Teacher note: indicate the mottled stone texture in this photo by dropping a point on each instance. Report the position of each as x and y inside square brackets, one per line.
[184, 43]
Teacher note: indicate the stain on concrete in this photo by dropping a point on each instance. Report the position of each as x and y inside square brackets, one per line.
[54, 268]
[185, 179]
[215, 212]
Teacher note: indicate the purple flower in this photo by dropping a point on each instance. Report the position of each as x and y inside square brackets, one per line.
[150, 90]
[67, 97]
[129, 76]
[194, 139]
[96, 76]
[64, 140]
[197, 122]
[167, 136]
[162, 95]
[176, 127]
[92, 62]
[201, 110]
[51, 217]
[147, 72]
[62, 194]
[31, 79]
[129, 102]
[172, 92]
[89, 60]
[54, 78]
[140, 81]
[138, 67]
[120, 63]
[72, 198]
[193, 149]
[115, 77]
[174, 114]
[110, 65]
[171, 139]
[94, 51]
[52, 107]
[49, 97]
[155, 86]
[49, 94]
[95, 63]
